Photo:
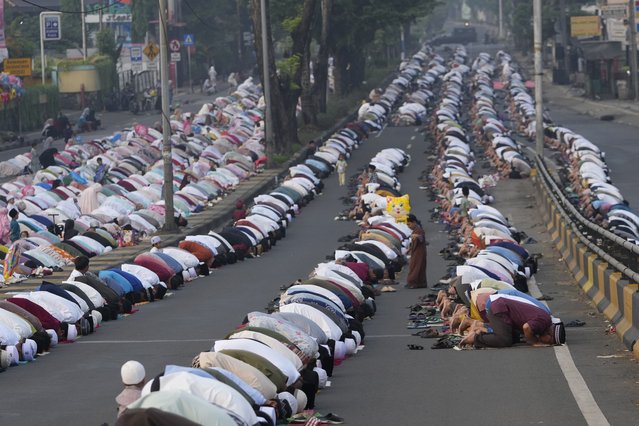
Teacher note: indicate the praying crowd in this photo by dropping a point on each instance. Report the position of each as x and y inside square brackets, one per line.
[271, 367]
[96, 196]
[484, 301]
[585, 176]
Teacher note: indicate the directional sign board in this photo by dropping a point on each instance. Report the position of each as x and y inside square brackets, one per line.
[174, 45]
[136, 58]
[18, 66]
[151, 50]
[51, 26]
[617, 11]
[188, 40]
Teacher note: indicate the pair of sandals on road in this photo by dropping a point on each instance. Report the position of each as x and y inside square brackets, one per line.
[309, 418]
[448, 341]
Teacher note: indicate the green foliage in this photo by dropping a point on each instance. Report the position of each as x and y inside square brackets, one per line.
[71, 23]
[106, 72]
[287, 68]
[142, 12]
[291, 24]
[33, 108]
[21, 36]
[105, 41]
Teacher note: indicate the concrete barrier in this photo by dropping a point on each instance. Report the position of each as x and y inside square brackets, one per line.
[611, 292]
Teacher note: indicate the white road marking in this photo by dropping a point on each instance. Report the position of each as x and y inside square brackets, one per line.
[145, 341]
[580, 391]
[384, 336]
[409, 146]
[412, 138]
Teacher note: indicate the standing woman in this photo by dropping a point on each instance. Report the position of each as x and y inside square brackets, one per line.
[417, 251]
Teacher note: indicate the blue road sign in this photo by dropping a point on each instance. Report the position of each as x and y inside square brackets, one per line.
[188, 40]
[52, 27]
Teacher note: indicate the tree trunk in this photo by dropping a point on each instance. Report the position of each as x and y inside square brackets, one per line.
[357, 72]
[341, 72]
[320, 88]
[285, 89]
[309, 106]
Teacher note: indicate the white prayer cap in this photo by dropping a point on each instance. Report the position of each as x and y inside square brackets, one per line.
[340, 350]
[357, 336]
[132, 373]
[155, 240]
[72, 333]
[54, 337]
[323, 377]
[97, 318]
[351, 346]
[292, 402]
[302, 400]
[29, 348]
[14, 356]
[5, 361]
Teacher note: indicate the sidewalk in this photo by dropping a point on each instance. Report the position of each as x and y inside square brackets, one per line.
[564, 96]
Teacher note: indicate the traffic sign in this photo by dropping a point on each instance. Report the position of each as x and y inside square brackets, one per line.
[176, 57]
[151, 50]
[18, 66]
[136, 58]
[188, 39]
[174, 45]
[51, 24]
[616, 11]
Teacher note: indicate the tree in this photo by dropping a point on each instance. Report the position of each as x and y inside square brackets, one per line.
[71, 22]
[285, 80]
[142, 11]
[20, 36]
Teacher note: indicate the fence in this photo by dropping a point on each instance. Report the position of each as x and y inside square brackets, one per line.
[30, 111]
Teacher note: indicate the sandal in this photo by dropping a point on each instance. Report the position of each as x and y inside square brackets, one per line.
[415, 347]
[428, 333]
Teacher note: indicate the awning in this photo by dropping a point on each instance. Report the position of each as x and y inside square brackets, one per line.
[601, 50]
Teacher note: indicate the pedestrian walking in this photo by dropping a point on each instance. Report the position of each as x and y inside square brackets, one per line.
[341, 165]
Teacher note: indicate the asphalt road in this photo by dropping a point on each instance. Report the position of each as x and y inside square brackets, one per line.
[384, 384]
[619, 141]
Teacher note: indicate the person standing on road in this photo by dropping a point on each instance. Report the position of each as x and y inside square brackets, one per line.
[417, 265]
[212, 77]
[341, 165]
[14, 226]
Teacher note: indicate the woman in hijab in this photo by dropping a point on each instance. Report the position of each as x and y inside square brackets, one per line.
[417, 251]
[4, 225]
[89, 198]
[83, 122]
[69, 229]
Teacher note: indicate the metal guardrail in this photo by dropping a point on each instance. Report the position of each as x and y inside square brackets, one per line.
[616, 251]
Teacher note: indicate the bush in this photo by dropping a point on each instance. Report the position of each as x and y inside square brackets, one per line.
[31, 110]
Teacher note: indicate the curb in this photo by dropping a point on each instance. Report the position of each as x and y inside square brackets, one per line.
[612, 294]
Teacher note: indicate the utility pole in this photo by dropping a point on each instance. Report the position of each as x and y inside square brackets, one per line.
[539, 102]
[169, 224]
[632, 24]
[564, 35]
[501, 20]
[266, 85]
[84, 31]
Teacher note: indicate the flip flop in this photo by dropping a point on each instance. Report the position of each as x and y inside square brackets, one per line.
[331, 419]
[415, 347]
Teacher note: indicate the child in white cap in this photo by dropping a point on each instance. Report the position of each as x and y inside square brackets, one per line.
[133, 378]
[156, 244]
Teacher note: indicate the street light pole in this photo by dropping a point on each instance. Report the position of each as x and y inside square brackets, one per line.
[84, 31]
[539, 102]
[266, 84]
[501, 20]
[632, 23]
[169, 223]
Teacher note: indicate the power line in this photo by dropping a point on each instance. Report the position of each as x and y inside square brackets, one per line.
[71, 11]
[195, 13]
